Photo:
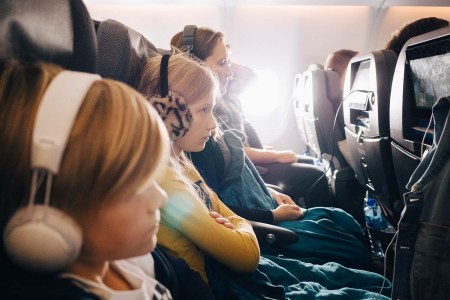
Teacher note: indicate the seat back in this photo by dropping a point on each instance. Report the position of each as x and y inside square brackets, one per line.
[57, 31]
[366, 117]
[122, 52]
[299, 111]
[322, 96]
[420, 90]
[423, 66]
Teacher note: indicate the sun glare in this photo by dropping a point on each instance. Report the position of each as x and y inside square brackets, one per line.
[260, 98]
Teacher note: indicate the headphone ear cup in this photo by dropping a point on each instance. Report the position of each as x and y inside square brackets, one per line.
[42, 238]
[188, 38]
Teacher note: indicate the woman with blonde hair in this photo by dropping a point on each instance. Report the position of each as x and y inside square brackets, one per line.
[78, 193]
[198, 227]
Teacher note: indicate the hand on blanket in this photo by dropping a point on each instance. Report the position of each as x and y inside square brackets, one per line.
[221, 220]
[280, 198]
[286, 212]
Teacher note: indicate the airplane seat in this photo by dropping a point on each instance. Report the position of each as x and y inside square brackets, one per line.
[410, 108]
[122, 52]
[299, 103]
[121, 56]
[317, 100]
[420, 118]
[366, 116]
[67, 38]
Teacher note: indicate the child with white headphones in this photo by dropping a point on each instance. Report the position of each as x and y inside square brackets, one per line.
[78, 194]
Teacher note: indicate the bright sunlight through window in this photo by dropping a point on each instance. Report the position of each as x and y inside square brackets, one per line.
[260, 98]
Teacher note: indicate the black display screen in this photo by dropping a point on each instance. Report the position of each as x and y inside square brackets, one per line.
[429, 74]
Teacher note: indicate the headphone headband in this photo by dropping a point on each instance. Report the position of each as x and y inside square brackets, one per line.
[164, 75]
[55, 117]
[188, 38]
[40, 237]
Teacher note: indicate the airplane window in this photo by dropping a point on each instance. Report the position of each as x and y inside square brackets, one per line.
[261, 98]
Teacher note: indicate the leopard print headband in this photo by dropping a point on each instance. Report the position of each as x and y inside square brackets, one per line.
[171, 107]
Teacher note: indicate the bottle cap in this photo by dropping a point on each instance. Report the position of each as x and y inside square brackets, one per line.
[371, 202]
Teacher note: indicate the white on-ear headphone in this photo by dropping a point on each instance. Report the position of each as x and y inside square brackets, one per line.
[39, 237]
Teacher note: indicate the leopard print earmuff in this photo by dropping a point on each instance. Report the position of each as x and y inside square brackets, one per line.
[171, 107]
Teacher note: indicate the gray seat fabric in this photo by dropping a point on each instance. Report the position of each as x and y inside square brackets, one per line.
[122, 52]
[67, 38]
[322, 96]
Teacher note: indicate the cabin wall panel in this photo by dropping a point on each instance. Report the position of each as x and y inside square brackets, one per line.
[284, 36]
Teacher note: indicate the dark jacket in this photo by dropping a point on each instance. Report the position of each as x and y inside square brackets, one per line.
[422, 260]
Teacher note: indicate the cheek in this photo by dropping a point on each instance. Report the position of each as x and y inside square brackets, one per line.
[222, 72]
[183, 142]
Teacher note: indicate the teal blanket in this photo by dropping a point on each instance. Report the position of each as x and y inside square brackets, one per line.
[283, 278]
[312, 268]
[325, 234]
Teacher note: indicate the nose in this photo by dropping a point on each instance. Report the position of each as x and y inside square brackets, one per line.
[229, 72]
[160, 195]
[211, 122]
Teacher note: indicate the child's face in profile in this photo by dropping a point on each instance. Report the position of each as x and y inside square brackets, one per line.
[202, 125]
[124, 228]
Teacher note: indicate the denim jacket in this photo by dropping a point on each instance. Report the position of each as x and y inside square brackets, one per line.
[422, 262]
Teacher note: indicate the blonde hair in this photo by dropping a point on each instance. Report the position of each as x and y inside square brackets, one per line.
[117, 143]
[188, 78]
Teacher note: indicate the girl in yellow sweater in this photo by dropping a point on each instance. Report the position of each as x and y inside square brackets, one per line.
[197, 227]
[189, 228]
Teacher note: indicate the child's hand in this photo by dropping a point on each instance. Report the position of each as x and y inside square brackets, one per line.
[221, 220]
[286, 212]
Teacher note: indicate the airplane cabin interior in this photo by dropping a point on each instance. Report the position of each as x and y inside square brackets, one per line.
[379, 135]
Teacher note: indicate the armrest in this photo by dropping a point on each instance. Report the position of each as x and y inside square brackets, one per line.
[274, 235]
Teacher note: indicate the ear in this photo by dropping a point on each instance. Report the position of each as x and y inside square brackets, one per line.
[175, 114]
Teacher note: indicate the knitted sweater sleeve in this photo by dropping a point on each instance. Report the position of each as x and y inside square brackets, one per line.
[187, 214]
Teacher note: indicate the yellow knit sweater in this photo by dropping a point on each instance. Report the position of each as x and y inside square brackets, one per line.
[188, 231]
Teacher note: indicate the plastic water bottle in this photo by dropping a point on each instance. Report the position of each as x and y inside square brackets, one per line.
[375, 221]
[374, 217]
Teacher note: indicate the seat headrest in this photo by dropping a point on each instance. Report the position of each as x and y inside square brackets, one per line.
[57, 31]
[122, 52]
[333, 88]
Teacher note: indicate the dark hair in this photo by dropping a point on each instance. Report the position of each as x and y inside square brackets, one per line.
[412, 29]
[204, 41]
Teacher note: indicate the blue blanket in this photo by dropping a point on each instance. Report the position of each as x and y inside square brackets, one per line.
[283, 278]
[325, 234]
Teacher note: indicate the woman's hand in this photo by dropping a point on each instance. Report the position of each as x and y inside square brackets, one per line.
[286, 157]
[221, 220]
[286, 212]
[281, 198]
